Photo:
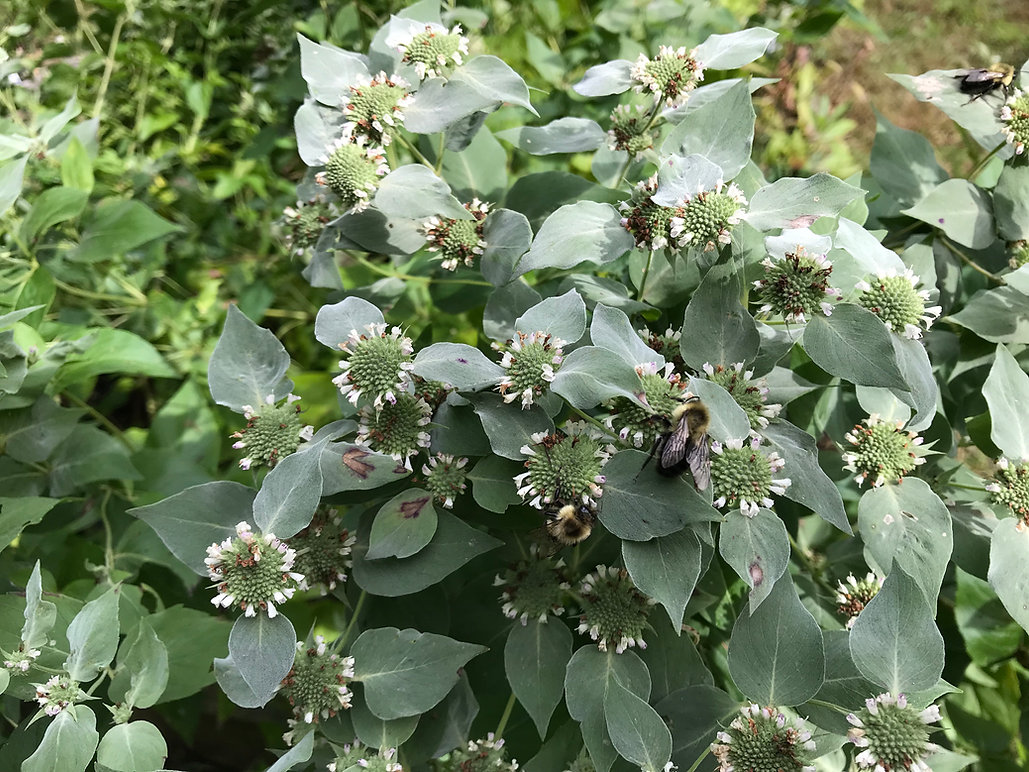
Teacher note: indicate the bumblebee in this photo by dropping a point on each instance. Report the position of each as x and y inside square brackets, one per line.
[686, 443]
[566, 525]
[985, 80]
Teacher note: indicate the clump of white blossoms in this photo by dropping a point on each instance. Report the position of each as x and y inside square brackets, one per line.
[1010, 487]
[533, 589]
[1014, 116]
[272, 432]
[663, 391]
[253, 572]
[629, 130]
[894, 299]
[20, 660]
[531, 360]
[352, 170]
[483, 755]
[852, 597]
[323, 550]
[458, 241]
[705, 219]
[396, 428]
[374, 107]
[796, 286]
[302, 225]
[748, 393]
[434, 51]
[650, 224]
[357, 756]
[1018, 254]
[892, 735]
[743, 475]
[445, 478]
[764, 740]
[882, 451]
[563, 467]
[316, 685]
[57, 694]
[669, 76]
[614, 613]
[666, 344]
[377, 364]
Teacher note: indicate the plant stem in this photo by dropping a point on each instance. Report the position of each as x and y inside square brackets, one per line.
[699, 759]
[100, 418]
[986, 159]
[499, 732]
[345, 638]
[971, 263]
[596, 422]
[643, 279]
[105, 80]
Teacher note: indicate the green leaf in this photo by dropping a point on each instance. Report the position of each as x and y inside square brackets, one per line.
[403, 526]
[649, 507]
[53, 125]
[453, 545]
[77, 166]
[480, 170]
[40, 615]
[844, 685]
[590, 375]
[894, 641]
[291, 492]
[565, 135]
[722, 131]
[462, 366]
[535, 658]
[1009, 571]
[917, 370]
[776, 654]
[509, 429]
[334, 323]
[903, 162]
[989, 633]
[854, 344]
[717, 328]
[960, 210]
[999, 315]
[586, 231]
[610, 328]
[727, 52]
[1011, 203]
[694, 714]
[248, 364]
[440, 103]
[329, 71]
[32, 434]
[758, 550]
[666, 569]
[314, 133]
[263, 649]
[192, 638]
[507, 235]
[133, 747]
[794, 202]
[414, 191]
[637, 731]
[493, 486]
[448, 724]
[298, 754]
[191, 521]
[349, 467]
[406, 672]
[907, 525]
[51, 207]
[18, 513]
[493, 79]
[810, 486]
[673, 662]
[142, 673]
[235, 687]
[563, 316]
[112, 351]
[68, 743]
[605, 79]
[11, 175]
[376, 732]
[118, 227]
[1007, 393]
[93, 637]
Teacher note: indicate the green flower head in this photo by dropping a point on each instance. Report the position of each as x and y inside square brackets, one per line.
[316, 685]
[357, 756]
[882, 451]
[671, 75]
[628, 130]
[302, 225]
[57, 694]
[533, 589]
[272, 432]
[705, 220]
[663, 391]
[895, 300]
[352, 171]
[458, 241]
[1010, 487]
[377, 364]
[748, 393]
[742, 475]
[374, 107]
[396, 428]
[650, 224]
[1018, 254]
[323, 550]
[253, 572]
[1014, 116]
[764, 740]
[852, 597]
[614, 612]
[563, 467]
[433, 50]
[531, 361]
[445, 478]
[796, 286]
[892, 735]
[488, 755]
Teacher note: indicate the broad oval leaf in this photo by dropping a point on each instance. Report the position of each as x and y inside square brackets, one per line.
[563, 316]
[93, 637]
[68, 743]
[1009, 570]
[636, 730]
[335, 323]
[263, 648]
[854, 344]
[586, 231]
[291, 492]
[565, 135]
[132, 747]
[794, 202]
[960, 210]
[721, 131]
[248, 364]
[666, 569]
[414, 192]
[403, 526]
[329, 71]
[458, 364]
[605, 79]
[757, 548]
[727, 52]
[1007, 393]
[535, 658]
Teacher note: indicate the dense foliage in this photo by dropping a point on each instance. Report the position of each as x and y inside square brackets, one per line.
[571, 433]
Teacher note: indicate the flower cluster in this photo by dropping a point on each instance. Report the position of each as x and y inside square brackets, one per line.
[316, 685]
[1010, 487]
[272, 432]
[357, 756]
[894, 299]
[881, 451]
[531, 360]
[563, 467]
[650, 224]
[533, 589]
[629, 130]
[671, 75]
[1014, 116]
[445, 478]
[323, 550]
[614, 613]
[253, 572]
[374, 107]
[852, 597]
[742, 475]
[396, 428]
[378, 364]
[21, 660]
[663, 391]
[434, 51]
[796, 286]
[892, 734]
[666, 344]
[458, 241]
[352, 170]
[764, 740]
[58, 694]
[748, 393]
[488, 755]
[303, 225]
[704, 220]
[1018, 254]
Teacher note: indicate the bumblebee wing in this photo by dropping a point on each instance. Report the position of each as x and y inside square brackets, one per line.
[674, 447]
[981, 76]
[698, 454]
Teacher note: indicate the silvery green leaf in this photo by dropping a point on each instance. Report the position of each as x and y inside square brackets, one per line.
[414, 192]
[605, 79]
[960, 210]
[727, 52]
[563, 316]
[565, 135]
[334, 323]
[330, 71]
[683, 177]
[794, 202]
[611, 329]
[462, 366]
[582, 232]
[722, 131]
[1007, 393]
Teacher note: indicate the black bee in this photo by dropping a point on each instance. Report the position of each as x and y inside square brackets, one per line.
[985, 80]
[685, 444]
[566, 525]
